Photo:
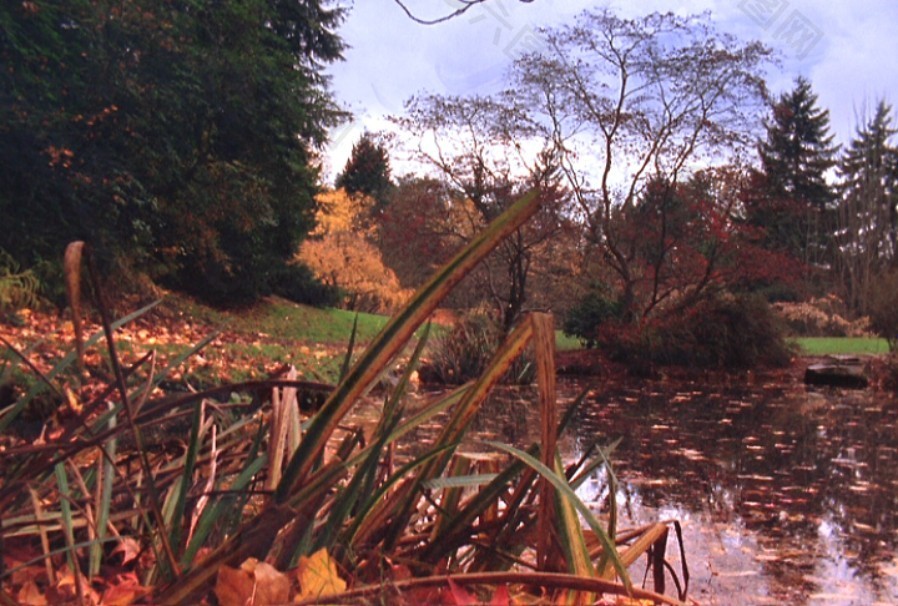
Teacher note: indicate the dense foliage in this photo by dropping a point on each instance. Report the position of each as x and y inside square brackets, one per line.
[368, 172]
[867, 235]
[175, 137]
[724, 331]
[795, 202]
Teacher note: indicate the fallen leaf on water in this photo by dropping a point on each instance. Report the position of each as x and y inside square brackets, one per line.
[318, 576]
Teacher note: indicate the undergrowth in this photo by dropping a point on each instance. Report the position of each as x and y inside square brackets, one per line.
[132, 495]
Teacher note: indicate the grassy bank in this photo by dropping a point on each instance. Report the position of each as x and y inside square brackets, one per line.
[831, 346]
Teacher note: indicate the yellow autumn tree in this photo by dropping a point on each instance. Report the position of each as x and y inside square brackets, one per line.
[341, 254]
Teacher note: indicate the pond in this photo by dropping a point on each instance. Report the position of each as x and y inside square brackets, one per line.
[786, 495]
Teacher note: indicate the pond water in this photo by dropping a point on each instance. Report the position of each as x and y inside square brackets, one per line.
[786, 495]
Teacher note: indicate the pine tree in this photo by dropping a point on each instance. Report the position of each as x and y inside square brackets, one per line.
[797, 206]
[178, 138]
[868, 212]
[368, 172]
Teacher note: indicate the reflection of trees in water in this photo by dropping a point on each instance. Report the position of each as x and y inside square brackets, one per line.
[780, 461]
[783, 461]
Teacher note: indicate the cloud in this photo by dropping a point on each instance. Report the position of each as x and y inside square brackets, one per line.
[845, 49]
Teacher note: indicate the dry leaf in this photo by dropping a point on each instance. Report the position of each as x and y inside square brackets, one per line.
[124, 593]
[318, 576]
[233, 587]
[501, 596]
[272, 586]
[30, 595]
[460, 595]
[129, 548]
[254, 584]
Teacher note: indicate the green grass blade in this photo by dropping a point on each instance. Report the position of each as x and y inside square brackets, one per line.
[564, 488]
[186, 479]
[347, 360]
[570, 532]
[107, 464]
[215, 512]
[9, 414]
[393, 338]
[65, 508]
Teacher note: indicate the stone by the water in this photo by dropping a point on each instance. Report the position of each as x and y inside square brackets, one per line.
[837, 371]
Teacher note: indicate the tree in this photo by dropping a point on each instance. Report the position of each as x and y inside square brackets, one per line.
[411, 231]
[867, 235]
[478, 151]
[629, 102]
[177, 138]
[465, 5]
[342, 256]
[795, 208]
[367, 172]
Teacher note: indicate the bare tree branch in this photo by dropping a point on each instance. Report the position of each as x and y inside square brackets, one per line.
[465, 6]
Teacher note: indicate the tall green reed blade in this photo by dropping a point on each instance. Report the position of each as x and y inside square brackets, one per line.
[68, 525]
[257, 535]
[365, 477]
[562, 486]
[183, 487]
[106, 465]
[8, 415]
[347, 360]
[393, 338]
[74, 253]
[570, 532]
[398, 507]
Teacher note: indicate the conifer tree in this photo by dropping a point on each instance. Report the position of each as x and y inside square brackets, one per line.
[796, 206]
[868, 211]
[368, 172]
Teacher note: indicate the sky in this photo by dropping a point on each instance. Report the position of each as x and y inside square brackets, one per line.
[848, 51]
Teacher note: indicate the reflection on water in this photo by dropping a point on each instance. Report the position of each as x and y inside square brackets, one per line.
[787, 496]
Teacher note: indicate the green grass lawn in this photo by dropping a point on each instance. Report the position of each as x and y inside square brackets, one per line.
[821, 346]
[283, 320]
[280, 319]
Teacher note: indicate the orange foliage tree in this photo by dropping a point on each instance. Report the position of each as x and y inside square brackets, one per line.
[341, 254]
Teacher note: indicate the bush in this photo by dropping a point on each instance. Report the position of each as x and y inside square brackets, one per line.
[593, 310]
[18, 287]
[464, 352]
[821, 317]
[727, 331]
[884, 309]
[297, 283]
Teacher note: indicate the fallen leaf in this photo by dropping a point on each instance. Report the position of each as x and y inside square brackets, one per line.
[272, 586]
[460, 595]
[318, 576]
[124, 593]
[130, 549]
[233, 587]
[501, 597]
[253, 584]
[30, 595]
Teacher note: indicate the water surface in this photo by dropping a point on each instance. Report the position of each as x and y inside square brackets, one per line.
[786, 495]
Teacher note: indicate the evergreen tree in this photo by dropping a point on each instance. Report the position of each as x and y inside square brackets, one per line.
[367, 172]
[795, 207]
[868, 212]
[176, 138]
